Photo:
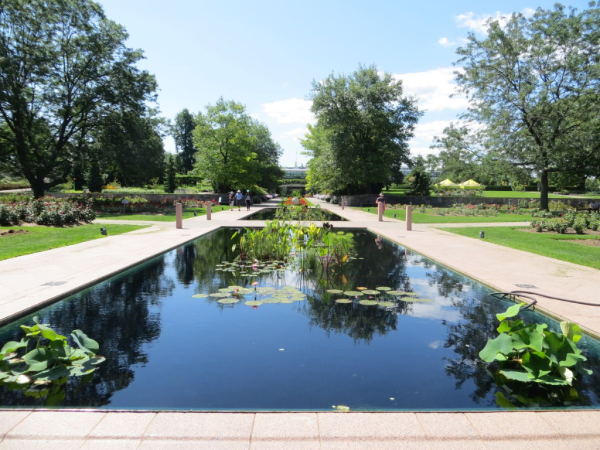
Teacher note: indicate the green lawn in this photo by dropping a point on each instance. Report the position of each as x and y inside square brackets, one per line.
[45, 238]
[188, 213]
[501, 194]
[429, 218]
[555, 246]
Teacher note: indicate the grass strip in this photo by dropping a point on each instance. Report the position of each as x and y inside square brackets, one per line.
[39, 239]
[430, 218]
[555, 246]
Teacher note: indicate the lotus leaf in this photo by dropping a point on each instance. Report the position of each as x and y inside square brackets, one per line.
[219, 294]
[353, 293]
[387, 304]
[361, 288]
[368, 302]
[395, 292]
[199, 295]
[383, 288]
[371, 292]
[334, 291]
[228, 300]
[343, 300]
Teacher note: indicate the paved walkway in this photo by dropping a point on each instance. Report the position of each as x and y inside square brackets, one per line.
[29, 281]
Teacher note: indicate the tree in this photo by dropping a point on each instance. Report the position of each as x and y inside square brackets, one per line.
[64, 68]
[95, 181]
[182, 132]
[367, 123]
[536, 85]
[457, 159]
[170, 181]
[268, 153]
[226, 148]
[419, 180]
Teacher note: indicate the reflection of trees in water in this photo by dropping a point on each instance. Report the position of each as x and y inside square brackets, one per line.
[478, 324]
[122, 315]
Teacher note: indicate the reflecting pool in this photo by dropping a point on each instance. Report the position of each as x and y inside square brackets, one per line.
[295, 213]
[166, 349]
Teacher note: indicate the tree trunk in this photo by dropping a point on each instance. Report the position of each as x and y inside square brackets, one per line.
[544, 190]
[38, 188]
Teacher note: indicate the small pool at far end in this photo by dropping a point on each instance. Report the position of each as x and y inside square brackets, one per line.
[316, 214]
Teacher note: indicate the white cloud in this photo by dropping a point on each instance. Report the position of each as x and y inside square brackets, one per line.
[433, 89]
[445, 42]
[295, 134]
[292, 110]
[478, 22]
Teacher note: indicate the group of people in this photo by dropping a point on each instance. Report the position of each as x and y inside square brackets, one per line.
[238, 197]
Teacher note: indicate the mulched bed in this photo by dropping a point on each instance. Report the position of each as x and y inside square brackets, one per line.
[570, 231]
[12, 232]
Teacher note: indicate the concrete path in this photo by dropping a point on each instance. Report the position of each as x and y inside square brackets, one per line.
[29, 281]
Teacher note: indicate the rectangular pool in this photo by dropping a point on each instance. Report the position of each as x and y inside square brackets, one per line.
[297, 348]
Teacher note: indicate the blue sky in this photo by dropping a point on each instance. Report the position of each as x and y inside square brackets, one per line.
[265, 54]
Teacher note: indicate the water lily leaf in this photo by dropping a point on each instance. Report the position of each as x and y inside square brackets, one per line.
[199, 295]
[297, 298]
[343, 300]
[219, 294]
[422, 300]
[383, 288]
[410, 294]
[253, 303]
[361, 288]
[244, 291]
[368, 302]
[272, 300]
[502, 344]
[228, 300]
[287, 300]
[387, 304]
[353, 293]
[396, 292]
[371, 292]
[334, 291]
[226, 289]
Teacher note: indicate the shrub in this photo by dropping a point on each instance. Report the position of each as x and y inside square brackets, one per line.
[46, 211]
[579, 225]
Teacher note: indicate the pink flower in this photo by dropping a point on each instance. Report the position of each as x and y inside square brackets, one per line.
[253, 284]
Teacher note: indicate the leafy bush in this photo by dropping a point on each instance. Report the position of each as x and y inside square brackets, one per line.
[579, 225]
[533, 355]
[46, 211]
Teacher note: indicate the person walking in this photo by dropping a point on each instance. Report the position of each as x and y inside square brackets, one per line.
[380, 203]
[248, 200]
[238, 199]
[231, 200]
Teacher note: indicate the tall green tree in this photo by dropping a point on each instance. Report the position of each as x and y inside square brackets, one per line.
[535, 83]
[182, 131]
[368, 122]
[419, 181]
[268, 153]
[170, 181]
[64, 68]
[226, 147]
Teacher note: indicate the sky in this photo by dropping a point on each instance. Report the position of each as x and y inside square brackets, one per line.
[267, 54]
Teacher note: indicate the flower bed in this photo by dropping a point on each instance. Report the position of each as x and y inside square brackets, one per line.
[579, 222]
[115, 205]
[289, 201]
[461, 210]
[45, 211]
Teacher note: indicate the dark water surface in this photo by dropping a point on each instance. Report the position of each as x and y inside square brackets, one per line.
[297, 214]
[167, 350]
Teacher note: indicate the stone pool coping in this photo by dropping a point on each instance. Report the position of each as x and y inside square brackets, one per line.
[23, 285]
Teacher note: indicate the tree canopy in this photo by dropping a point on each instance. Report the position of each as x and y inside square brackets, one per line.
[64, 69]
[234, 151]
[535, 84]
[363, 126]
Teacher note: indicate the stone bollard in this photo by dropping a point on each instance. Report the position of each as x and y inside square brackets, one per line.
[208, 210]
[408, 217]
[380, 211]
[342, 202]
[178, 215]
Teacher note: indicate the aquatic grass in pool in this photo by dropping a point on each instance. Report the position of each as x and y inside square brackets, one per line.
[388, 330]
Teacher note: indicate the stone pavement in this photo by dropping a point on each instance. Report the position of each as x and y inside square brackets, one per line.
[29, 281]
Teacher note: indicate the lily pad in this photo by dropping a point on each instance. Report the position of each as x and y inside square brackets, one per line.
[271, 300]
[371, 292]
[228, 300]
[368, 302]
[286, 300]
[253, 303]
[410, 294]
[199, 295]
[343, 300]
[396, 292]
[297, 298]
[387, 304]
[219, 294]
[334, 291]
[361, 288]
[383, 288]
[353, 293]
[226, 289]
